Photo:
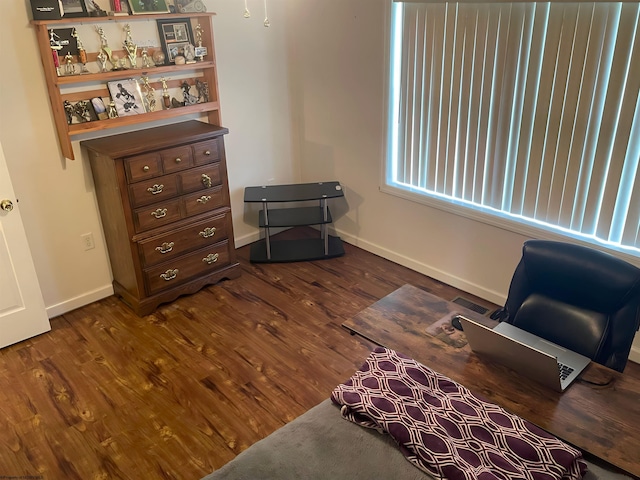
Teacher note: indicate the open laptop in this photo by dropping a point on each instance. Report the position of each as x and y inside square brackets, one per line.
[543, 361]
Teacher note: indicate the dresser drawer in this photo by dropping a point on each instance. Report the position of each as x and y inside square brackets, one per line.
[206, 152]
[142, 167]
[202, 262]
[200, 178]
[204, 201]
[171, 245]
[157, 215]
[176, 159]
[153, 190]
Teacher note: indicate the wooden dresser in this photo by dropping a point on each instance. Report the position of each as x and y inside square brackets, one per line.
[164, 202]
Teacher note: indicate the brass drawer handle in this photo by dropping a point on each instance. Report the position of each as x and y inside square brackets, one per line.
[159, 213]
[211, 258]
[178, 159]
[156, 189]
[204, 199]
[207, 152]
[169, 274]
[206, 180]
[208, 232]
[146, 168]
[165, 247]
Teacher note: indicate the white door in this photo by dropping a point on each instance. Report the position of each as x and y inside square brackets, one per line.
[22, 311]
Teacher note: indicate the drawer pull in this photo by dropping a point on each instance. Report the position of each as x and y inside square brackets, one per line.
[204, 199]
[178, 159]
[206, 180]
[169, 274]
[208, 232]
[211, 258]
[156, 189]
[165, 247]
[207, 152]
[159, 213]
[146, 168]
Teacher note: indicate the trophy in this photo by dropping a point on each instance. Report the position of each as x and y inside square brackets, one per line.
[130, 47]
[69, 67]
[55, 46]
[149, 94]
[82, 53]
[203, 91]
[146, 62]
[200, 51]
[104, 49]
[102, 61]
[189, 99]
[166, 100]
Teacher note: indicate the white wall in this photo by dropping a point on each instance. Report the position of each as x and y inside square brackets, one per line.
[303, 99]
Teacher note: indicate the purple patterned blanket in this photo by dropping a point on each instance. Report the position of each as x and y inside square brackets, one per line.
[445, 430]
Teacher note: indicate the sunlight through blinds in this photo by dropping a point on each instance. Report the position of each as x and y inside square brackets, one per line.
[530, 109]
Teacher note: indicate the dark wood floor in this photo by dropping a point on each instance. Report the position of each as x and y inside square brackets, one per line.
[179, 393]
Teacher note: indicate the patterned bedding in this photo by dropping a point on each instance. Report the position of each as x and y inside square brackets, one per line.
[445, 430]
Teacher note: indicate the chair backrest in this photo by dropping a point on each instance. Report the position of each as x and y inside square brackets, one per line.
[577, 297]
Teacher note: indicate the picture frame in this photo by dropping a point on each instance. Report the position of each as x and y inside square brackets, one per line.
[175, 34]
[74, 8]
[127, 97]
[142, 7]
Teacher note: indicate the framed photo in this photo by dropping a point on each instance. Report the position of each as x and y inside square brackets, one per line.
[74, 8]
[141, 7]
[175, 35]
[127, 97]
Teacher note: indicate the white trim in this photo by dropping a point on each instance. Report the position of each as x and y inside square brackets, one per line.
[79, 301]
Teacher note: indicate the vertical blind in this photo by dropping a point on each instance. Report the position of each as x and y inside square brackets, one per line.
[531, 110]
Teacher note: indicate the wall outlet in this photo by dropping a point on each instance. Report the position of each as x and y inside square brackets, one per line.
[87, 241]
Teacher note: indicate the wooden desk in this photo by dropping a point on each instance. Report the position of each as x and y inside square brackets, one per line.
[601, 420]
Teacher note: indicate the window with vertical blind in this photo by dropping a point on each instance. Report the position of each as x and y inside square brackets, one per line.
[527, 112]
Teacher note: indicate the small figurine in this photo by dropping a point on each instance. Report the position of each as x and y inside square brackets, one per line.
[82, 53]
[69, 67]
[104, 46]
[81, 109]
[166, 100]
[149, 94]
[102, 61]
[55, 46]
[188, 98]
[111, 110]
[203, 91]
[146, 62]
[130, 47]
[68, 110]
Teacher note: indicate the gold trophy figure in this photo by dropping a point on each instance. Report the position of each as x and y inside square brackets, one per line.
[146, 62]
[102, 61]
[166, 99]
[104, 48]
[149, 94]
[69, 67]
[200, 51]
[130, 47]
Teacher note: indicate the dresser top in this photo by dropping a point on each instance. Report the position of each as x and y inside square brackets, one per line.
[141, 141]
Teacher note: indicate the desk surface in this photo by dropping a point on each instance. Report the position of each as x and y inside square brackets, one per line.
[601, 420]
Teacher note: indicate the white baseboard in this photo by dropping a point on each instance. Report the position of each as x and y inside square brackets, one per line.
[79, 301]
[440, 275]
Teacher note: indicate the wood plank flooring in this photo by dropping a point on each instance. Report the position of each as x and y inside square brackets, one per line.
[177, 394]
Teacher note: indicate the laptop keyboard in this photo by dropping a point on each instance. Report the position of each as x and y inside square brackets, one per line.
[564, 371]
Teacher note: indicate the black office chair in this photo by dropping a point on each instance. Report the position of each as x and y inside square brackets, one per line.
[577, 297]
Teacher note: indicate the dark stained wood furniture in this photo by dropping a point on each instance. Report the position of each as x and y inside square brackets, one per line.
[601, 420]
[164, 202]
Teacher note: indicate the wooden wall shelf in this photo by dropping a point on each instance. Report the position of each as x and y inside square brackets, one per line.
[86, 86]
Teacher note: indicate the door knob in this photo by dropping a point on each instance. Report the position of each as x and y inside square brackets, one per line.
[6, 205]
